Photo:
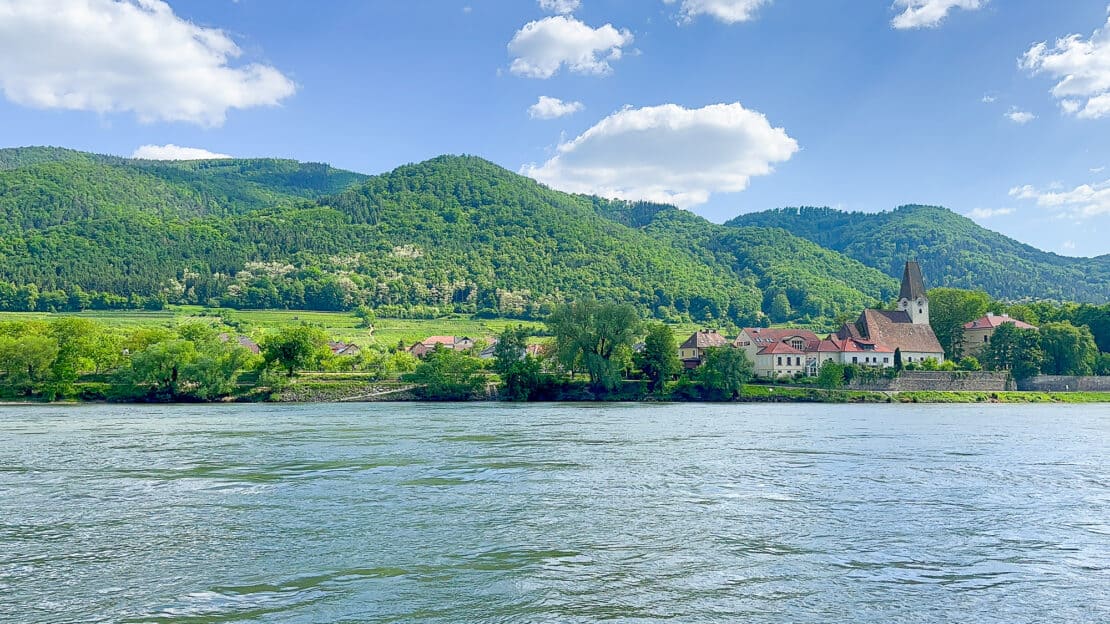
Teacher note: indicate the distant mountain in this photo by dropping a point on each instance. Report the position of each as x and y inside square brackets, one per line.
[450, 234]
[953, 251]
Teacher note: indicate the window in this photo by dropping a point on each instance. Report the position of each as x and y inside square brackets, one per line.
[855, 360]
[886, 360]
[780, 360]
[984, 338]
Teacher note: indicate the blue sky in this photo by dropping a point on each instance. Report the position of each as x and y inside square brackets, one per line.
[724, 106]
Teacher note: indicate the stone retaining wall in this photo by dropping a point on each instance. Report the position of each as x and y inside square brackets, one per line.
[939, 381]
[1060, 383]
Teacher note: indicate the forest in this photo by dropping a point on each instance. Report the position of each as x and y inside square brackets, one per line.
[952, 249]
[458, 235]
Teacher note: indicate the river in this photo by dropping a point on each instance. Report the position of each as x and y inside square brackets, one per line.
[555, 513]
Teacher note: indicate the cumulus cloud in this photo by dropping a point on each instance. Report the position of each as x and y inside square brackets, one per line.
[727, 11]
[561, 7]
[132, 56]
[1082, 67]
[668, 154]
[989, 99]
[1019, 117]
[541, 47]
[553, 108]
[1082, 202]
[987, 213]
[170, 151]
[928, 13]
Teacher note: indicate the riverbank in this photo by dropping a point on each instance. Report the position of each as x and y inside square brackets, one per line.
[383, 392]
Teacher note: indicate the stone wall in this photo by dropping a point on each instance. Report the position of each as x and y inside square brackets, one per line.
[940, 381]
[1059, 383]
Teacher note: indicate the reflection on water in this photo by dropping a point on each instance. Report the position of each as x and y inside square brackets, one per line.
[556, 513]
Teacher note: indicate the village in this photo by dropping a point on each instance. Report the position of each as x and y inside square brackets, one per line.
[879, 339]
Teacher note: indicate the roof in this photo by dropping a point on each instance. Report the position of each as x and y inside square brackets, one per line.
[992, 321]
[778, 348]
[913, 284]
[434, 340]
[703, 339]
[833, 344]
[895, 330]
[762, 336]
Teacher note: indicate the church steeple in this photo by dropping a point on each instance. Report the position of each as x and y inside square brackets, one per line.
[912, 299]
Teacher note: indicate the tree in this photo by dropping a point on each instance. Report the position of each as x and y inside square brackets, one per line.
[949, 310]
[366, 317]
[77, 340]
[831, 375]
[780, 308]
[588, 334]
[898, 364]
[725, 371]
[447, 375]
[27, 359]
[1014, 349]
[295, 348]
[659, 359]
[157, 370]
[520, 372]
[1068, 350]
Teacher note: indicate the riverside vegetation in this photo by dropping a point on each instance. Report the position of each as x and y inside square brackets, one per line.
[589, 352]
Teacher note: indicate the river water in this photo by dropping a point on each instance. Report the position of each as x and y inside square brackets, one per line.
[555, 513]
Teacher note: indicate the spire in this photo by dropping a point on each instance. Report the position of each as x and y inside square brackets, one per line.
[913, 285]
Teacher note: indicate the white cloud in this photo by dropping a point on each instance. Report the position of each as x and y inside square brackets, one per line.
[552, 108]
[127, 56]
[1082, 202]
[989, 99]
[928, 13]
[727, 11]
[1082, 67]
[987, 213]
[668, 154]
[1098, 169]
[1019, 117]
[170, 151]
[1069, 245]
[540, 48]
[561, 7]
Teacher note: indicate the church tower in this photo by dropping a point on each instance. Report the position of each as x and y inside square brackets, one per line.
[912, 299]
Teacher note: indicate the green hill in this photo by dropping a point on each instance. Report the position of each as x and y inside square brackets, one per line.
[453, 234]
[953, 251]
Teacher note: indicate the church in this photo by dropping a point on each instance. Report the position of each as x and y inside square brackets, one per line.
[905, 330]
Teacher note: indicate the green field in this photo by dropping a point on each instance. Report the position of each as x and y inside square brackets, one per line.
[256, 323]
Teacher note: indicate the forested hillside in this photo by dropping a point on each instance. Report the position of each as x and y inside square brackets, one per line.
[453, 234]
[953, 251]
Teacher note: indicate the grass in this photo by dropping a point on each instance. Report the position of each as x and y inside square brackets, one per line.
[339, 325]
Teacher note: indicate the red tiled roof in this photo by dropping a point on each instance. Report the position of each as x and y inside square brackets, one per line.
[895, 330]
[704, 339]
[992, 321]
[778, 348]
[434, 340]
[762, 336]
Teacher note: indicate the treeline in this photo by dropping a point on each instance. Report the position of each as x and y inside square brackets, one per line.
[1071, 339]
[450, 235]
[953, 251]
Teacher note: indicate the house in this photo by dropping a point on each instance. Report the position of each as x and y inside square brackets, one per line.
[343, 349]
[490, 351]
[977, 333]
[906, 329]
[692, 352]
[858, 351]
[777, 352]
[429, 344]
[243, 341]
